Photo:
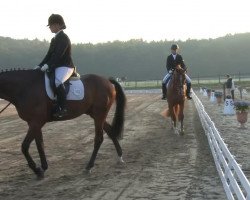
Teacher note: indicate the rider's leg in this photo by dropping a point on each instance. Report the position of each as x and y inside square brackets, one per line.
[164, 90]
[188, 93]
[164, 86]
[61, 75]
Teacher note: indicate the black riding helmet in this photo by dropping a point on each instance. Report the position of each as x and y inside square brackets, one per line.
[56, 19]
[174, 47]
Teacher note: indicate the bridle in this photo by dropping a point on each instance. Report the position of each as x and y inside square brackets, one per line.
[5, 108]
[179, 80]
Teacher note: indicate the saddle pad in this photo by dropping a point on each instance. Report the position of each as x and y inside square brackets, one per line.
[76, 89]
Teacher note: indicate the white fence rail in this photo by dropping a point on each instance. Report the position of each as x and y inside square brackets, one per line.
[235, 183]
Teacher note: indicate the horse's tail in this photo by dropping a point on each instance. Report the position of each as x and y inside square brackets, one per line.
[118, 120]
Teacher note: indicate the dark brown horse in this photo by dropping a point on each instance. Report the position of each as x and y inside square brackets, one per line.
[176, 94]
[25, 89]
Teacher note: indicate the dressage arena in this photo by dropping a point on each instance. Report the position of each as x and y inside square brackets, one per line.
[158, 163]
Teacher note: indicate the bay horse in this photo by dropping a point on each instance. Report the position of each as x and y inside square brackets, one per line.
[176, 94]
[25, 89]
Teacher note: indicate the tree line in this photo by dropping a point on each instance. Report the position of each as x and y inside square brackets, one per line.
[137, 59]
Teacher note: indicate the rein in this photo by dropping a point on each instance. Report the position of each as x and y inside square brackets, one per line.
[5, 108]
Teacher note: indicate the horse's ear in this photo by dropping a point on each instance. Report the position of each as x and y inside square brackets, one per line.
[178, 67]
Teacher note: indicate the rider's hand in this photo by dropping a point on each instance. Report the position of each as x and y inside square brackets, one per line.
[37, 67]
[170, 71]
[44, 67]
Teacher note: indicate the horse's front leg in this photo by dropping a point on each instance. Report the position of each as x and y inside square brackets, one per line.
[40, 148]
[181, 117]
[25, 149]
[173, 117]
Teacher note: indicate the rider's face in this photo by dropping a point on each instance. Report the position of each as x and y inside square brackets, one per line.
[174, 51]
[54, 28]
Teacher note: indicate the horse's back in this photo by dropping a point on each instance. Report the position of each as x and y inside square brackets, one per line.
[95, 81]
[97, 87]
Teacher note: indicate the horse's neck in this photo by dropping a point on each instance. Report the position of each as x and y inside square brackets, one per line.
[178, 81]
[13, 83]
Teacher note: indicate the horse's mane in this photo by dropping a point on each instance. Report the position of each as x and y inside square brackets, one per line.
[23, 74]
[13, 69]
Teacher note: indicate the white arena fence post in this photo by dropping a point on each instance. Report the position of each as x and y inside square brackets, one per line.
[234, 181]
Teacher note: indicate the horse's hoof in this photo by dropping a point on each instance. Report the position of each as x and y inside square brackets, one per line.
[39, 173]
[120, 160]
[88, 171]
[176, 131]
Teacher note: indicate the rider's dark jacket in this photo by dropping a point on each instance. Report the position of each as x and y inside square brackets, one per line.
[59, 53]
[229, 83]
[172, 63]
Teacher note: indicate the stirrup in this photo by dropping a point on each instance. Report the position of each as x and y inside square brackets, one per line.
[60, 113]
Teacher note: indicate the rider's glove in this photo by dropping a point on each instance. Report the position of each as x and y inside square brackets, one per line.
[44, 67]
[37, 67]
[170, 71]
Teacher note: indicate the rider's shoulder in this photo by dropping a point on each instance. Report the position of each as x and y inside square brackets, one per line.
[179, 56]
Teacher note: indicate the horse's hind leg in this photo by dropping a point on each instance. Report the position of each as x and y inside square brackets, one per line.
[107, 129]
[97, 142]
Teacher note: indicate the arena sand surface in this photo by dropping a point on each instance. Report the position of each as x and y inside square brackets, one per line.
[159, 164]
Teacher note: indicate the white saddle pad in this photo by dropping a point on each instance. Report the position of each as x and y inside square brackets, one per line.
[76, 89]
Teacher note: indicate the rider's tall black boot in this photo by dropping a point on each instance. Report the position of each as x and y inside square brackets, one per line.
[61, 100]
[164, 91]
[188, 91]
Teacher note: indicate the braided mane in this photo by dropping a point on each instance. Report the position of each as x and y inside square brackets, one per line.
[13, 69]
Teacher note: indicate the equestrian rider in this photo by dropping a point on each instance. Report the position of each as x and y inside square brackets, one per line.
[58, 60]
[173, 60]
[230, 86]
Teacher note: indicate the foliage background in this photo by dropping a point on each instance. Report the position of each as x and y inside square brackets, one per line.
[138, 59]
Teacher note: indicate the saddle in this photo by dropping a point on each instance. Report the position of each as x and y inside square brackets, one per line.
[74, 86]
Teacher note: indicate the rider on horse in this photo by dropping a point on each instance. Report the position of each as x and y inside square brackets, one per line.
[58, 61]
[172, 61]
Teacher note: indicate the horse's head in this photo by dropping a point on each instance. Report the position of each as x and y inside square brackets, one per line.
[179, 75]
[180, 70]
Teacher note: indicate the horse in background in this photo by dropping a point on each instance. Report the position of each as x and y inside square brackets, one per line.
[25, 89]
[176, 94]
